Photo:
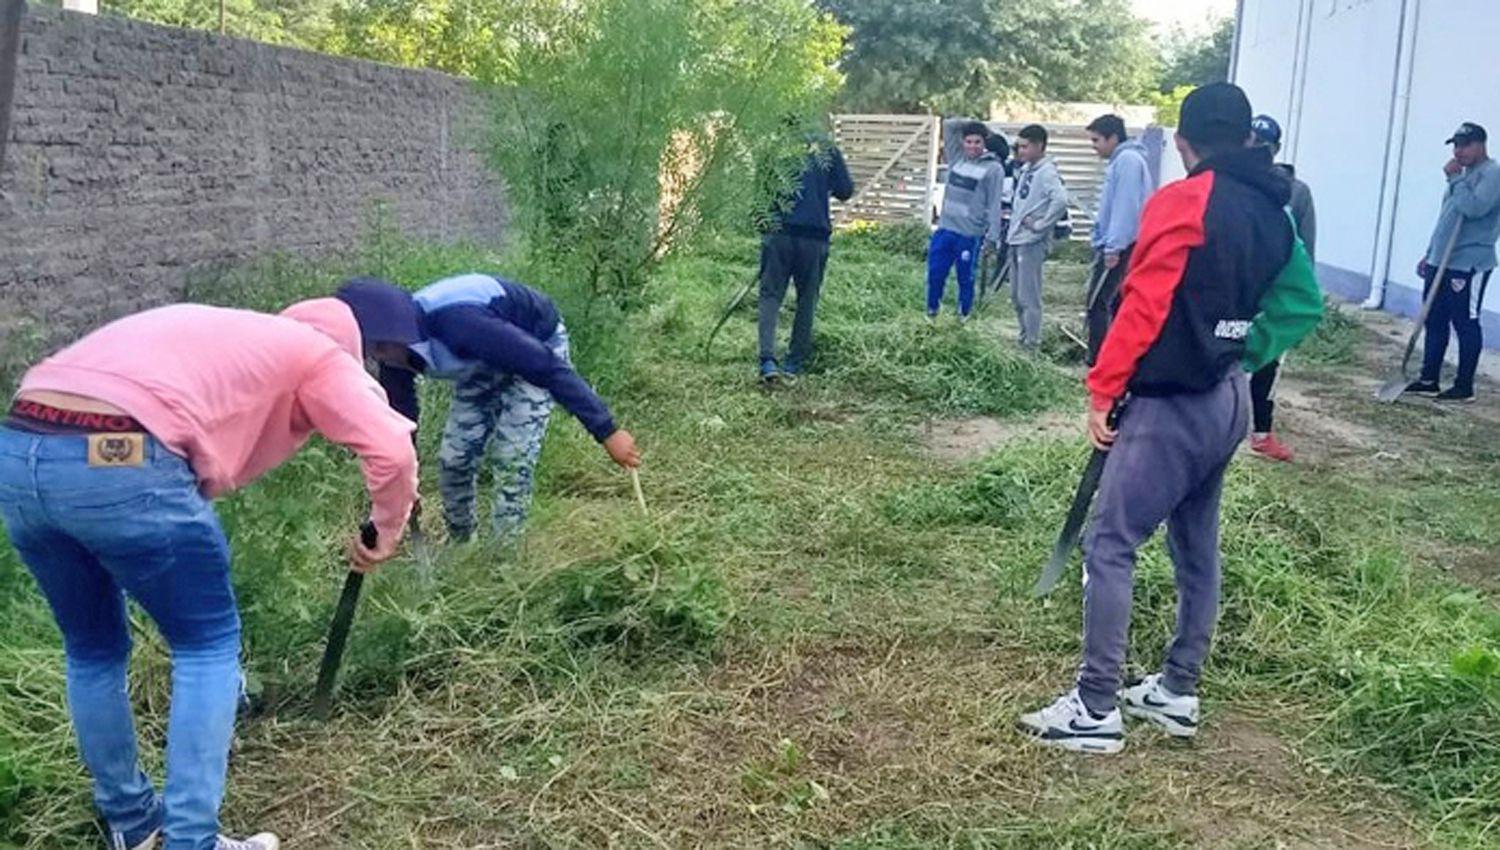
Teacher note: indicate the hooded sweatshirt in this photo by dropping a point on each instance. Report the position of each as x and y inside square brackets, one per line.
[1471, 204]
[238, 392]
[1127, 185]
[1304, 215]
[470, 322]
[1218, 281]
[1040, 202]
[804, 211]
[975, 188]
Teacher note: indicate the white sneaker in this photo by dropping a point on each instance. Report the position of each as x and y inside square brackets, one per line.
[118, 842]
[1150, 700]
[1068, 724]
[263, 841]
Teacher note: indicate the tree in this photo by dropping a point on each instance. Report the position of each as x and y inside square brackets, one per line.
[625, 125]
[1197, 60]
[957, 56]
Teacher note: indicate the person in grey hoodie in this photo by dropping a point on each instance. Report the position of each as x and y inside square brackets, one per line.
[1040, 202]
[1127, 185]
[971, 211]
[1472, 206]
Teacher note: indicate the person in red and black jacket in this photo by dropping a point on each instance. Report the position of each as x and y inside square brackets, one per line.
[1219, 283]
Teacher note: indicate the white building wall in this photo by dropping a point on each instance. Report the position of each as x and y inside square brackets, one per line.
[1367, 90]
[1455, 78]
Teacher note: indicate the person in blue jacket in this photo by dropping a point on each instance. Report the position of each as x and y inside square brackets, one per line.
[505, 348]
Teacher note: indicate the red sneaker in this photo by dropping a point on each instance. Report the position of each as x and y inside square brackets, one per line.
[1271, 448]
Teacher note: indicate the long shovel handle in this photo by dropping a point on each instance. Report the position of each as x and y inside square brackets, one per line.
[338, 631]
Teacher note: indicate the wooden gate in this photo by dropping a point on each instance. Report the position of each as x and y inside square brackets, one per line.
[893, 160]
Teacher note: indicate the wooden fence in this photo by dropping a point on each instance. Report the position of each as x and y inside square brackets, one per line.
[893, 159]
[894, 162]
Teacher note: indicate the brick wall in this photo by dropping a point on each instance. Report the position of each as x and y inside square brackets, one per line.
[140, 154]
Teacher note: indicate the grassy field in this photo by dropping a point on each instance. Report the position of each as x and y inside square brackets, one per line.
[820, 636]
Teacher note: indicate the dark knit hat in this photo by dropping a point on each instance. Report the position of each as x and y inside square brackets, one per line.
[385, 312]
[1215, 114]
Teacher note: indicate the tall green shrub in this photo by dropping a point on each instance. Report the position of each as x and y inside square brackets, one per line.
[624, 127]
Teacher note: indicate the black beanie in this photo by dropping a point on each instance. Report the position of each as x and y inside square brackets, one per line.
[1215, 114]
[385, 312]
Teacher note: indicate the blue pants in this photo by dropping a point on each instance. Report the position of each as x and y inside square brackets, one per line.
[1456, 306]
[947, 250]
[90, 535]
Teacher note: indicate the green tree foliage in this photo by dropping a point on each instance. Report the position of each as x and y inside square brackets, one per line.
[1197, 60]
[960, 55]
[625, 125]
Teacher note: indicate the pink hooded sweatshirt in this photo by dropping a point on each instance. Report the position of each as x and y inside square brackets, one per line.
[238, 392]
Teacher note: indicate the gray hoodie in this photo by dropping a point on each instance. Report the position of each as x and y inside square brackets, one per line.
[971, 197]
[1472, 204]
[1127, 185]
[1039, 203]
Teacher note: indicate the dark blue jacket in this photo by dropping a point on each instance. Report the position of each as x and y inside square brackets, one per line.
[806, 208]
[505, 331]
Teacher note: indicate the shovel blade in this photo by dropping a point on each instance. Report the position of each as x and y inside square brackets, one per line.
[1391, 390]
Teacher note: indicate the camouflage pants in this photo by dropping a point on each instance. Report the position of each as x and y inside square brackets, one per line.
[489, 404]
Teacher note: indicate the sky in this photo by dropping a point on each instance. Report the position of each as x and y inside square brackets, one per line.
[1189, 14]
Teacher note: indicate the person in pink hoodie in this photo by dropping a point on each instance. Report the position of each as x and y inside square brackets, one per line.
[111, 455]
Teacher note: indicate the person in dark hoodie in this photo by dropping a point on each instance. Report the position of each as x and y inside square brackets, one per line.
[1219, 285]
[1263, 440]
[505, 348]
[795, 249]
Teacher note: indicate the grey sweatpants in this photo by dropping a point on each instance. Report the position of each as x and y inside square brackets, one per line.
[1167, 465]
[1026, 290]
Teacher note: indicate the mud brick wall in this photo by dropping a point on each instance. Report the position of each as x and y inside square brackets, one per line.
[141, 155]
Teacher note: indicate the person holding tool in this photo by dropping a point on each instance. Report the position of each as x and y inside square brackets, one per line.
[795, 249]
[505, 347]
[1219, 284]
[1041, 202]
[1470, 220]
[1127, 185]
[111, 454]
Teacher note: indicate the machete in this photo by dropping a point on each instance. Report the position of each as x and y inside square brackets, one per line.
[1392, 389]
[1072, 529]
[729, 311]
[338, 631]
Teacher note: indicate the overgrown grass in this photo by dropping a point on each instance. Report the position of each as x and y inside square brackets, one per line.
[818, 638]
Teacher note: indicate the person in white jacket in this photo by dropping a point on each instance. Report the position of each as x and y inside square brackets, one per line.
[1040, 202]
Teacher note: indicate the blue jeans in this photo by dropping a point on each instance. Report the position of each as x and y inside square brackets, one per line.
[90, 535]
[947, 250]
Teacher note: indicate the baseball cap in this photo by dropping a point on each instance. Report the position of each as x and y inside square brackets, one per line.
[1266, 131]
[1215, 114]
[385, 312]
[1466, 133]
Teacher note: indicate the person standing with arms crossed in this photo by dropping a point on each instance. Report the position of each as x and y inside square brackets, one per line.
[1127, 185]
[1471, 205]
[1040, 202]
